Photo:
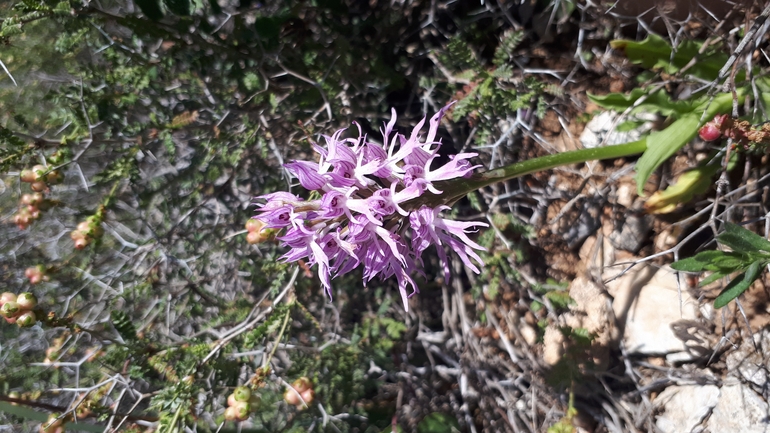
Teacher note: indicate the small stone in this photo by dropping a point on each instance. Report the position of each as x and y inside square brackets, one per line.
[685, 407]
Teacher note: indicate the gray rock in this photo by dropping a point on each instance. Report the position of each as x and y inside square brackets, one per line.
[750, 364]
[685, 407]
[739, 409]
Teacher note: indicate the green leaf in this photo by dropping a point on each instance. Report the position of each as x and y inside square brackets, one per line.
[730, 262]
[560, 299]
[656, 54]
[713, 277]
[438, 422]
[150, 8]
[738, 285]
[742, 240]
[661, 145]
[697, 263]
[658, 102]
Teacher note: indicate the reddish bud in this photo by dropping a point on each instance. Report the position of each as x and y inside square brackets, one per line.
[308, 395]
[7, 297]
[28, 175]
[34, 212]
[302, 384]
[81, 243]
[710, 132]
[21, 219]
[292, 397]
[39, 186]
[254, 225]
[254, 238]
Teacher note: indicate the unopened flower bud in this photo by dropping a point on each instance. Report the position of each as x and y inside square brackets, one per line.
[242, 410]
[231, 413]
[254, 225]
[34, 212]
[38, 186]
[26, 301]
[709, 132]
[7, 297]
[242, 393]
[81, 243]
[26, 319]
[302, 384]
[28, 175]
[292, 397]
[9, 309]
[308, 395]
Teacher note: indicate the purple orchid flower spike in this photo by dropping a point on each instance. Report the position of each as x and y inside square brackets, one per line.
[370, 212]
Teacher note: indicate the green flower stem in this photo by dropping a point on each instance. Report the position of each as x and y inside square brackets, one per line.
[456, 189]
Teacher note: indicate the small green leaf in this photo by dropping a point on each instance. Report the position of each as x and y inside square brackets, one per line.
[739, 285]
[697, 263]
[713, 277]
[729, 262]
[560, 299]
[742, 240]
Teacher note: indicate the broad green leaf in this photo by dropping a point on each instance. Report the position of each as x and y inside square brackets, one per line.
[739, 285]
[438, 422]
[658, 102]
[656, 54]
[742, 240]
[661, 145]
